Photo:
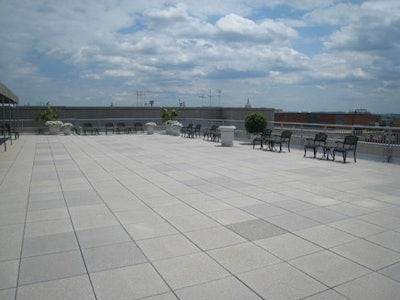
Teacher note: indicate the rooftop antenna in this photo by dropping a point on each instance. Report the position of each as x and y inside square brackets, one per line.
[138, 94]
[210, 96]
[202, 98]
[219, 96]
[140, 98]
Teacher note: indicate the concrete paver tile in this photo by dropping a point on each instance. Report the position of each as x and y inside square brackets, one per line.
[223, 289]
[292, 221]
[167, 247]
[322, 215]
[112, 256]
[184, 271]
[51, 266]
[137, 216]
[11, 241]
[392, 271]
[148, 230]
[71, 288]
[243, 257]
[368, 254]
[8, 294]
[256, 229]
[47, 214]
[8, 273]
[132, 282]
[192, 222]
[327, 295]
[281, 281]
[215, 237]
[102, 236]
[371, 286]
[325, 236]
[229, 216]
[41, 228]
[46, 244]
[329, 268]
[288, 246]
[357, 227]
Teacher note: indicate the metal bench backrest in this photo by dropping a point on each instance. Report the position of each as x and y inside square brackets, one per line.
[266, 133]
[350, 142]
[320, 138]
[286, 135]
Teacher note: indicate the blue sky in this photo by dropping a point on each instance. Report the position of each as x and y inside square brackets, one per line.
[295, 55]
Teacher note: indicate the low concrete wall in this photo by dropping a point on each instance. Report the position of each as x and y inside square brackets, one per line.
[380, 152]
[79, 114]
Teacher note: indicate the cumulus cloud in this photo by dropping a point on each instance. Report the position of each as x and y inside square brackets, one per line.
[282, 48]
[236, 28]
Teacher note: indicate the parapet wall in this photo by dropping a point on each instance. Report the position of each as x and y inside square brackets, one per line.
[70, 113]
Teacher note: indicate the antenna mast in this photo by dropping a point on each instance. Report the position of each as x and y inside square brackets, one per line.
[210, 96]
[219, 96]
[202, 98]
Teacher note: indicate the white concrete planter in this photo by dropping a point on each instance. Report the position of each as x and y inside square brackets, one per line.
[150, 129]
[67, 130]
[175, 130]
[54, 130]
[227, 134]
[168, 129]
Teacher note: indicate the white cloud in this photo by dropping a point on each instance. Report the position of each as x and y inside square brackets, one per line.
[178, 48]
[237, 28]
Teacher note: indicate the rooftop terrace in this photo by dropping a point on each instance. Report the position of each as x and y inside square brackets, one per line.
[163, 217]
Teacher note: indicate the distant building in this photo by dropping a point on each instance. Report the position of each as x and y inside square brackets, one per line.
[358, 117]
[248, 105]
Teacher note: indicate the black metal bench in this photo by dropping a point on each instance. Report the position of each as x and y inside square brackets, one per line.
[318, 141]
[262, 138]
[88, 127]
[348, 145]
[109, 127]
[283, 138]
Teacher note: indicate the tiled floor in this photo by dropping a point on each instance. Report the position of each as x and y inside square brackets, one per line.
[162, 217]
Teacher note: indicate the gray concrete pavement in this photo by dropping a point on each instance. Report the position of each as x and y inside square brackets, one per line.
[162, 217]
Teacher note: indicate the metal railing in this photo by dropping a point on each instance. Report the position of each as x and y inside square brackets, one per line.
[377, 141]
[386, 139]
[366, 134]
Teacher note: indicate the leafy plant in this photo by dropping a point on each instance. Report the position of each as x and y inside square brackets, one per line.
[47, 114]
[255, 122]
[65, 125]
[54, 123]
[169, 114]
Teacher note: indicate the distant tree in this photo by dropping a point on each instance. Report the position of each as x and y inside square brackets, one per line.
[169, 114]
[255, 122]
[48, 114]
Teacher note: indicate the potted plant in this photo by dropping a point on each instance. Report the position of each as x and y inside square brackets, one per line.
[175, 128]
[150, 127]
[255, 123]
[167, 116]
[67, 128]
[49, 115]
[54, 127]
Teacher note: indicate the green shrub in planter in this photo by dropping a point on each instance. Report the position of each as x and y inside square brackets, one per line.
[167, 114]
[48, 114]
[255, 122]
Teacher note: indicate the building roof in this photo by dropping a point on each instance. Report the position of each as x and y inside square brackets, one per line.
[7, 96]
